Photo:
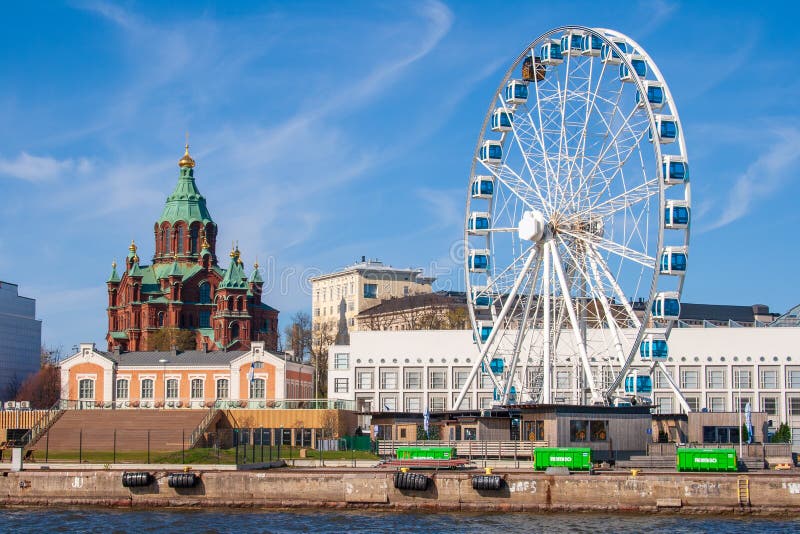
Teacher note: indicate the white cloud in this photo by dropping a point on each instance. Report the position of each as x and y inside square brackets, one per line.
[762, 178]
[42, 169]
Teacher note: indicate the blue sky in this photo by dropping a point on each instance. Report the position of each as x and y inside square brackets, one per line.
[324, 131]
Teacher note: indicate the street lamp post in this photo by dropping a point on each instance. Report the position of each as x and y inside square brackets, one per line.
[164, 362]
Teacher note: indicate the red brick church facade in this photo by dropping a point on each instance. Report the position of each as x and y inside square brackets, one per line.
[184, 287]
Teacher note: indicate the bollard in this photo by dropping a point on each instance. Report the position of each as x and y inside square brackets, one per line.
[634, 472]
[488, 470]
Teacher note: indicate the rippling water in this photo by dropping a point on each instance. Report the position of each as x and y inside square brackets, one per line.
[340, 522]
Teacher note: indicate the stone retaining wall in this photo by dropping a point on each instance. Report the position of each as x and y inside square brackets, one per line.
[522, 490]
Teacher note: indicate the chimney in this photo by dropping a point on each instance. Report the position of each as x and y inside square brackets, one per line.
[116, 350]
[173, 349]
[363, 259]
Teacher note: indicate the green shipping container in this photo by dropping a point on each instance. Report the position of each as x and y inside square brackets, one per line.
[574, 458]
[425, 453]
[689, 459]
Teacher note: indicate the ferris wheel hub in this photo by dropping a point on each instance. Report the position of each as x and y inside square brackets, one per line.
[532, 226]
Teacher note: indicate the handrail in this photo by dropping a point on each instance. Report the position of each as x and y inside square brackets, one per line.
[223, 404]
[207, 418]
[41, 426]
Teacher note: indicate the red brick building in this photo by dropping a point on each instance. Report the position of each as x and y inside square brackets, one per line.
[185, 287]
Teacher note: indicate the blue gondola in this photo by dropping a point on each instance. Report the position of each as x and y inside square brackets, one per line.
[478, 223]
[676, 215]
[571, 44]
[666, 306]
[654, 348]
[591, 45]
[501, 120]
[516, 92]
[656, 96]
[667, 129]
[638, 384]
[512, 395]
[639, 69]
[478, 261]
[610, 56]
[480, 299]
[551, 53]
[483, 187]
[673, 261]
[491, 152]
[484, 330]
[675, 170]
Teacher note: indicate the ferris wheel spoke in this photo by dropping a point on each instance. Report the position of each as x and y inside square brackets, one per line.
[615, 248]
[627, 199]
[610, 318]
[618, 293]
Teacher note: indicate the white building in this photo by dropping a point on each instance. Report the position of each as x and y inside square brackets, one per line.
[20, 337]
[718, 369]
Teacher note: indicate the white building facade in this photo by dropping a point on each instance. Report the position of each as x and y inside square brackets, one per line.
[718, 369]
[20, 337]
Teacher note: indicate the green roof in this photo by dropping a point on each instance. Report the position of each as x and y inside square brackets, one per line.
[234, 277]
[185, 203]
[255, 277]
[114, 277]
[119, 335]
[136, 270]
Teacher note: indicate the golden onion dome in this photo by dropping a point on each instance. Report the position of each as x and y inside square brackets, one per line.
[186, 160]
[132, 248]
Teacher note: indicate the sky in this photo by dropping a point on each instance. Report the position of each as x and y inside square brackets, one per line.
[324, 131]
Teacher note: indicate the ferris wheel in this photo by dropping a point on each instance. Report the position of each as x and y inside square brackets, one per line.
[577, 223]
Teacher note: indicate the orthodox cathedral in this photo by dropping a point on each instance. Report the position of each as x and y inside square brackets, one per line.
[185, 287]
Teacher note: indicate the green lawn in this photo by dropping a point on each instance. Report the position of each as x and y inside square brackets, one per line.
[199, 456]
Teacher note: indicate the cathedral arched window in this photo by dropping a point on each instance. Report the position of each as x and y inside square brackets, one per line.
[160, 318]
[193, 240]
[239, 304]
[167, 240]
[235, 331]
[205, 293]
[230, 303]
[179, 239]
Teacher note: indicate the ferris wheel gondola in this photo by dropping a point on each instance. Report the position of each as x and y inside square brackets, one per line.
[578, 201]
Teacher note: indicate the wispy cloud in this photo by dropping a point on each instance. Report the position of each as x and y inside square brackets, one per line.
[41, 168]
[762, 178]
[656, 12]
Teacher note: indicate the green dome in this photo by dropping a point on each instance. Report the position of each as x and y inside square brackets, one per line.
[185, 203]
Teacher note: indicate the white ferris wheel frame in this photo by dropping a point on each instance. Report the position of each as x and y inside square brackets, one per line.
[545, 253]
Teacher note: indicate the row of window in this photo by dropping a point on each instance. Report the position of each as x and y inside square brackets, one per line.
[719, 403]
[416, 403]
[335, 293]
[86, 388]
[716, 378]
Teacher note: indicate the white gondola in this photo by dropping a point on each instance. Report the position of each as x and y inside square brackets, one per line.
[676, 215]
[639, 65]
[610, 56]
[572, 43]
[635, 384]
[479, 261]
[483, 187]
[591, 45]
[654, 347]
[667, 129]
[502, 120]
[516, 92]
[656, 96]
[479, 223]
[673, 261]
[491, 152]
[666, 306]
[480, 299]
[551, 53]
[675, 170]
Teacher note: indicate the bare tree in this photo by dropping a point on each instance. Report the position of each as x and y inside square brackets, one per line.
[298, 335]
[322, 338]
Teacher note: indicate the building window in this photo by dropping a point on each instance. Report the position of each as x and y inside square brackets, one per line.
[413, 379]
[364, 380]
[486, 381]
[172, 388]
[793, 379]
[484, 403]
[694, 403]
[438, 404]
[769, 405]
[437, 379]
[413, 404]
[86, 389]
[578, 430]
[197, 388]
[388, 379]
[715, 378]
[316, 312]
[160, 318]
[370, 291]
[222, 388]
[389, 404]
[533, 430]
[664, 404]
[769, 379]
[341, 360]
[340, 385]
[716, 404]
[460, 377]
[742, 379]
[466, 403]
[793, 405]
[179, 238]
[147, 388]
[740, 403]
[193, 240]
[205, 293]
[235, 331]
[690, 379]
[122, 388]
[562, 380]
[167, 240]
[257, 388]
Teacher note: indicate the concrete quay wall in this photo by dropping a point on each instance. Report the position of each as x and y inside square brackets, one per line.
[450, 491]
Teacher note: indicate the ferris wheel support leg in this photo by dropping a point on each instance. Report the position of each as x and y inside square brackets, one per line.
[497, 322]
[612, 324]
[674, 386]
[546, 282]
[596, 397]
